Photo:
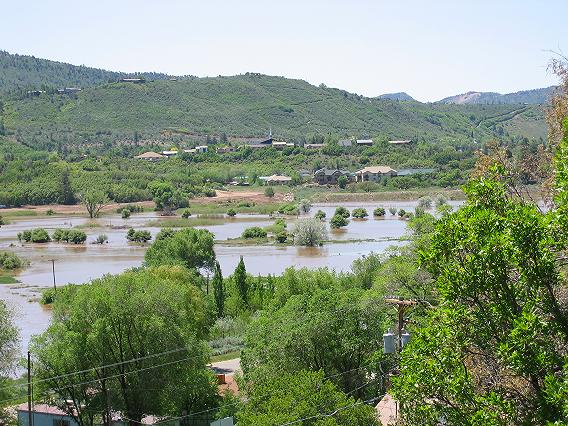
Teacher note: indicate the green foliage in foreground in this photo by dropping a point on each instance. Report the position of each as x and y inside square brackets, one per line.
[10, 350]
[291, 397]
[139, 315]
[492, 352]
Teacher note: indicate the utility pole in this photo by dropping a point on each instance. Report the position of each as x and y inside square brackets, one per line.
[53, 273]
[401, 305]
[30, 415]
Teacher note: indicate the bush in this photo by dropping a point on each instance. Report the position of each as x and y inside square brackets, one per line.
[209, 192]
[231, 213]
[441, 200]
[186, 214]
[10, 261]
[269, 192]
[320, 214]
[379, 212]
[338, 221]
[47, 296]
[245, 204]
[50, 212]
[392, 210]
[132, 208]
[309, 232]
[37, 235]
[138, 236]
[342, 181]
[359, 213]
[101, 239]
[125, 214]
[425, 202]
[342, 211]
[289, 209]
[304, 206]
[402, 213]
[282, 237]
[74, 236]
[254, 232]
[419, 211]
[165, 233]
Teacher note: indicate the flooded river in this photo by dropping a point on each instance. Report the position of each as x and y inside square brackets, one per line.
[78, 264]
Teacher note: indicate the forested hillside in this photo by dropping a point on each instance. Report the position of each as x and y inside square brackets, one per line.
[533, 97]
[247, 106]
[23, 72]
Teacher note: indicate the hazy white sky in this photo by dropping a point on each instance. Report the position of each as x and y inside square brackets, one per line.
[430, 49]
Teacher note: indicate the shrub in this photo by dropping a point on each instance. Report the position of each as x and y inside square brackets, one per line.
[392, 210]
[10, 260]
[254, 232]
[304, 206]
[269, 192]
[245, 204]
[125, 214]
[379, 212]
[419, 211]
[338, 221]
[289, 209]
[132, 208]
[138, 236]
[342, 211]
[186, 213]
[77, 236]
[402, 213]
[342, 181]
[282, 237]
[47, 296]
[50, 212]
[165, 233]
[37, 235]
[425, 202]
[441, 200]
[320, 214]
[309, 232]
[101, 239]
[209, 192]
[60, 235]
[231, 213]
[359, 213]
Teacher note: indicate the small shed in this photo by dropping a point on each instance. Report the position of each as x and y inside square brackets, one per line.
[150, 156]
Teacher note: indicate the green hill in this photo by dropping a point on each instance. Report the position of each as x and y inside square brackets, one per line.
[23, 72]
[247, 106]
[535, 96]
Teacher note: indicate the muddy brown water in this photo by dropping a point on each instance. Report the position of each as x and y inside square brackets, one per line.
[79, 264]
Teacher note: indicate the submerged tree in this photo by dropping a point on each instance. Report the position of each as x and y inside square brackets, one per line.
[94, 201]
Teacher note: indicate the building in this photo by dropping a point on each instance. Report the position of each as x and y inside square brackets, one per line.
[345, 142]
[170, 153]
[404, 142]
[68, 90]
[374, 173]
[330, 176]
[44, 415]
[364, 142]
[190, 151]
[132, 80]
[314, 145]
[150, 156]
[201, 148]
[278, 180]
[225, 149]
[280, 144]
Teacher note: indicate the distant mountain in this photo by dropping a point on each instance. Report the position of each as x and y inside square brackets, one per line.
[535, 96]
[399, 96]
[31, 73]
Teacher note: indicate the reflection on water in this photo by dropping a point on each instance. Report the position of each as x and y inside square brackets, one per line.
[78, 264]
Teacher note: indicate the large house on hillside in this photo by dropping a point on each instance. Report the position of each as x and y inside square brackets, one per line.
[330, 176]
[374, 173]
[150, 156]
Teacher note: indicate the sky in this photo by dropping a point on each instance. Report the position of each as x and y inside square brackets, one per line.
[429, 49]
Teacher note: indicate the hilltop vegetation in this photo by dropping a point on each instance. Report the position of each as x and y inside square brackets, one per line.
[23, 72]
[535, 96]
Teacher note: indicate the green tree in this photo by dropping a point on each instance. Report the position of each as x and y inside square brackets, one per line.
[359, 213]
[491, 353]
[9, 353]
[219, 291]
[379, 212]
[151, 316]
[342, 181]
[192, 248]
[269, 192]
[342, 211]
[94, 201]
[165, 196]
[241, 282]
[66, 191]
[338, 221]
[302, 395]
[320, 214]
